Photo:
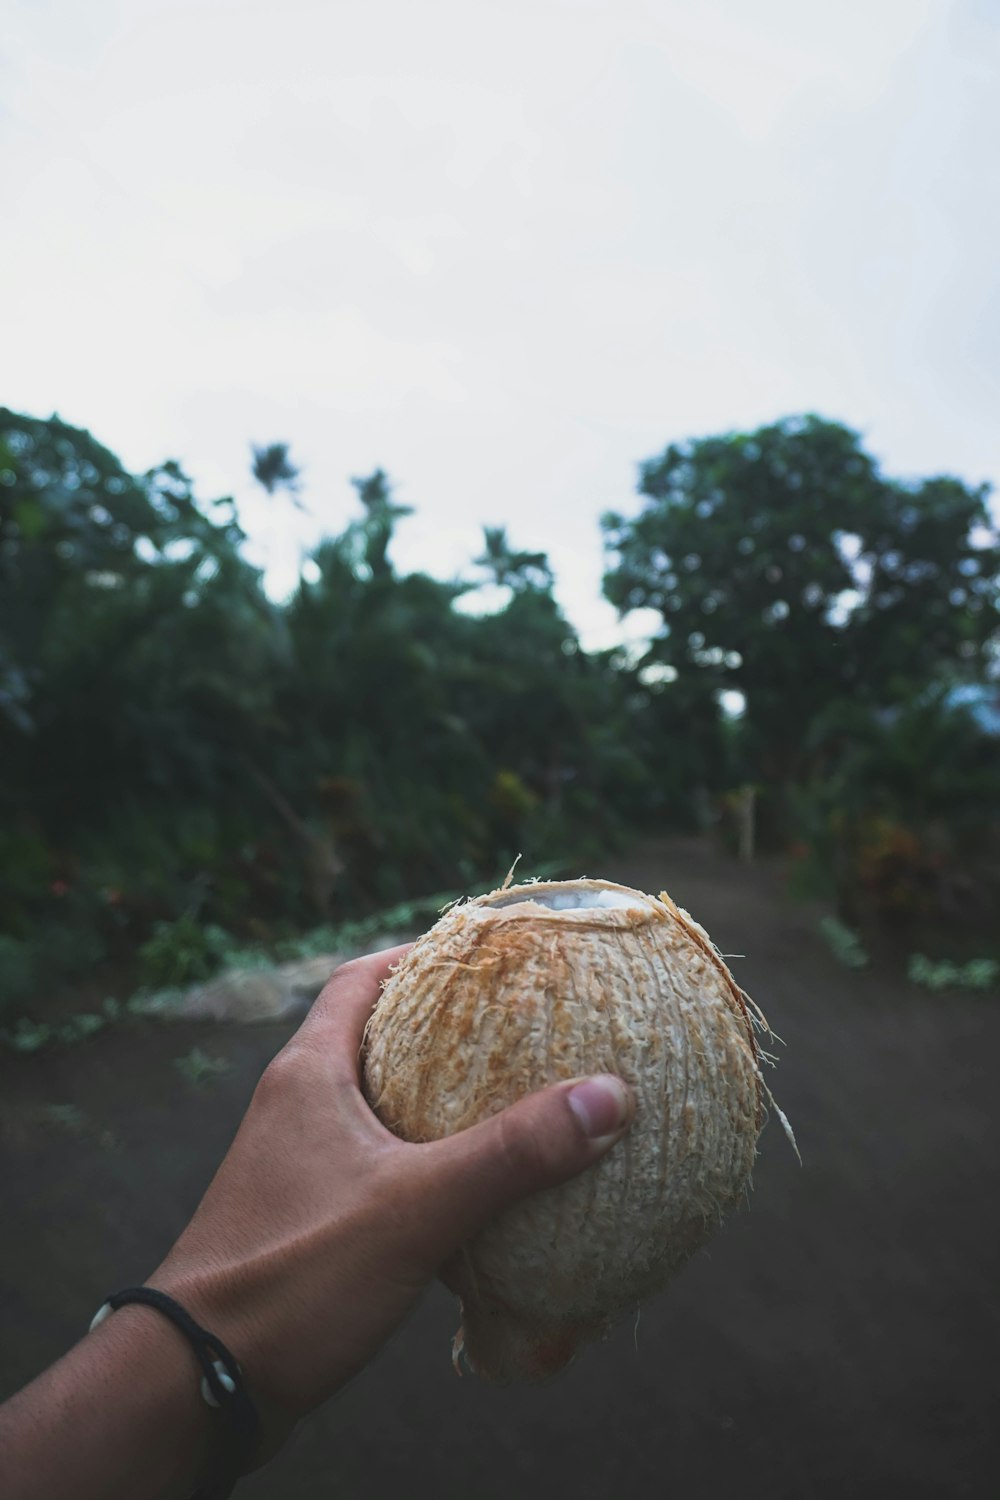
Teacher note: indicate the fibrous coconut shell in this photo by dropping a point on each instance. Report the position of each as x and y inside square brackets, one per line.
[542, 982]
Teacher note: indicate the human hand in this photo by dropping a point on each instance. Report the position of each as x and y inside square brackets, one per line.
[321, 1229]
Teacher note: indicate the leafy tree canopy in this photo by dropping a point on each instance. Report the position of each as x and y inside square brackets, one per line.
[274, 470]
[81, 539]
[509, 568]
[380, 517]
[176, 747]
[787, 567]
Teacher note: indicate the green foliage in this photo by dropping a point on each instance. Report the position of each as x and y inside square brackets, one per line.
[181, 953]
[198, 1068]
[273, 469]
[844, 944]
[27, 1035]
[845, 608]
[508, 568]
[787, 568]
[343, 937]
[899, 812]
[381, 513]
[192, 772]
[976, 974]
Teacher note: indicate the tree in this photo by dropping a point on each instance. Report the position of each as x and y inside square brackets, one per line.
[928, 581]
[273, 470]
[76, 529]
[142, 653]
[787, 568]
[509, 568]
[379, 522]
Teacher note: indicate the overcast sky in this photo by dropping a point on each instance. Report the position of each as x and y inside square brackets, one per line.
[505, 250]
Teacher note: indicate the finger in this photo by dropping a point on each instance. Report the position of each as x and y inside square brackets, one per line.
[336, 1023]
[541, 1141]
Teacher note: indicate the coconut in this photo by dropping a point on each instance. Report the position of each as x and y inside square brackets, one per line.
[536, 983]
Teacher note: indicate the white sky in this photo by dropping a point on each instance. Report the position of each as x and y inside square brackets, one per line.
[505, 250]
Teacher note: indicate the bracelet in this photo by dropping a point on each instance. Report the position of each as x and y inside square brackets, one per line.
[221, 1387]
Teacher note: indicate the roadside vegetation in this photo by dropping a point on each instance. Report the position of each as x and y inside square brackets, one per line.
[189, 770]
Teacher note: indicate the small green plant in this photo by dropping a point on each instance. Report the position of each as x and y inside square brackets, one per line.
[418, 913]
[342, 936]
[844, 944]
[182, 953]
[977, 974]
[29, 1035]
[198, 1068]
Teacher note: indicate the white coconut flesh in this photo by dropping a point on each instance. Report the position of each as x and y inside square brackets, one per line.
[568, 897]
[557, 980]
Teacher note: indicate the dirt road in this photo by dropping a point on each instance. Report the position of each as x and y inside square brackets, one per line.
[839, 1339]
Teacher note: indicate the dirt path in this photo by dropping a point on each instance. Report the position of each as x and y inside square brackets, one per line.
[840, 1339]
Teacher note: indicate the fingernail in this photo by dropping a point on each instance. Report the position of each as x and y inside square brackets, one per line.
[600, 1104]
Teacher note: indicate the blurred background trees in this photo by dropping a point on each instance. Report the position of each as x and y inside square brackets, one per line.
[855, 618]
[177, 748]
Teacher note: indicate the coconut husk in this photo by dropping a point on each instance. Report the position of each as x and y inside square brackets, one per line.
[505, 995]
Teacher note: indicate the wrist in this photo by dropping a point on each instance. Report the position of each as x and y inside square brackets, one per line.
[137, 1345]
[237, 1425]
[215, 1301]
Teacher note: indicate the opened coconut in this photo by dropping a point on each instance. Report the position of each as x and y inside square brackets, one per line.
[538, 983]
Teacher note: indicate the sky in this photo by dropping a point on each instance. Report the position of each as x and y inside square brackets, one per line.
[505, 251]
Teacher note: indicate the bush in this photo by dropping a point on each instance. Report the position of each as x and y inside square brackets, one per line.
[898, 820]
[182, 953]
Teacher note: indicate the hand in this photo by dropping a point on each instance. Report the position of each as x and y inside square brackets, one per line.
[318, 1233]
[321, 1229]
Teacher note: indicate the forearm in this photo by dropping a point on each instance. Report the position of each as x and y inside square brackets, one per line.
[316, 1237]
[120, 1414]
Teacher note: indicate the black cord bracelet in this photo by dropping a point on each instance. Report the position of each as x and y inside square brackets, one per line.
[221, 1386]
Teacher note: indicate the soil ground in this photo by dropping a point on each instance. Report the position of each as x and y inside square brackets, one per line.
[838, 1339]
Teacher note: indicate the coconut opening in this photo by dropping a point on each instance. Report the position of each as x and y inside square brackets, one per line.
[573, 898]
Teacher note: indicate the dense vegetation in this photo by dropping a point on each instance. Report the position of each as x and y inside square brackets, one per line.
[857, 617]
[177, 749]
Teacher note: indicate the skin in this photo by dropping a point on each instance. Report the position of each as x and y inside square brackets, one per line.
[315, 1239]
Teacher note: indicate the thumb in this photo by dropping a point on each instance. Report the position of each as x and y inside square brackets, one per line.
[539, 1142]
